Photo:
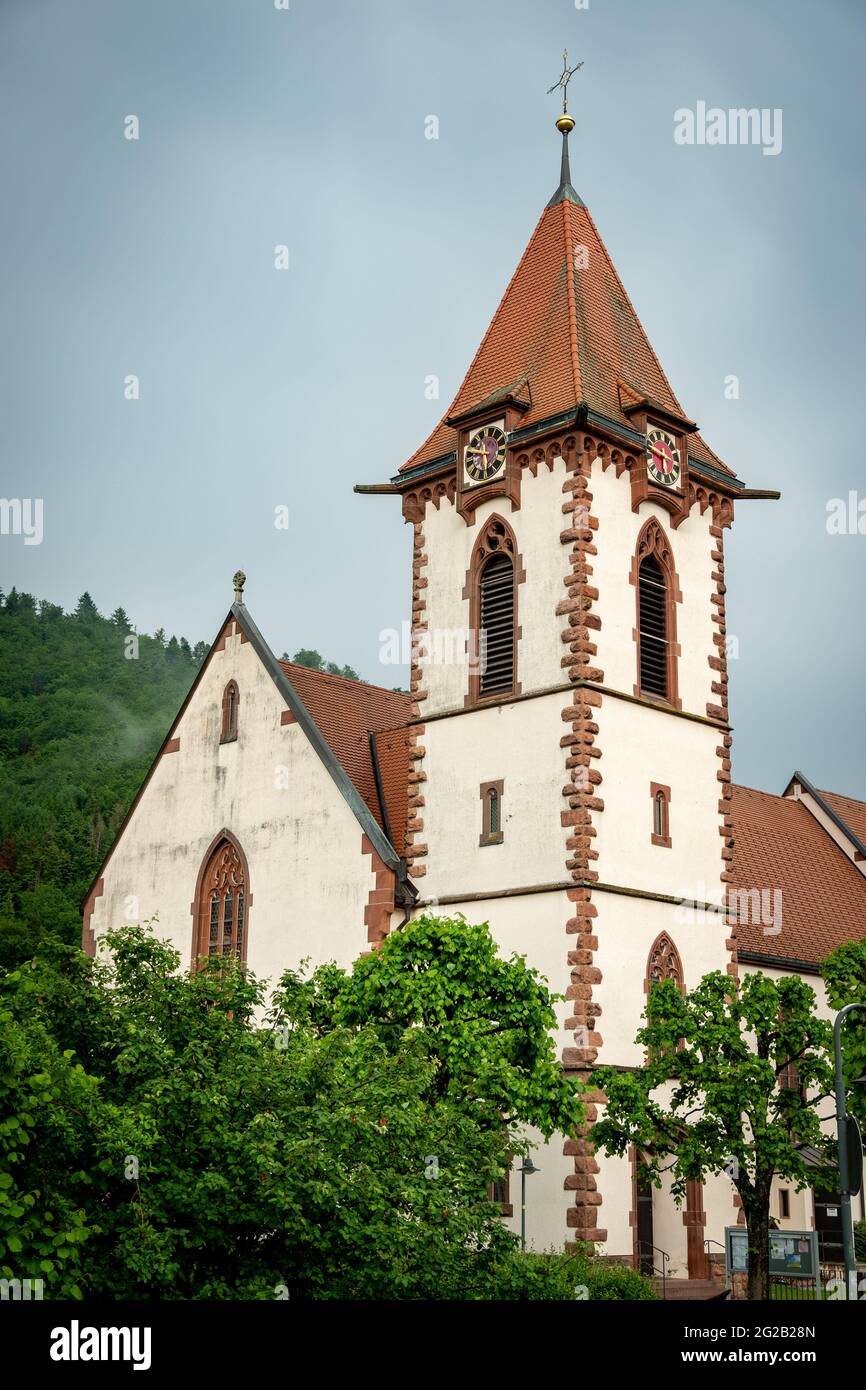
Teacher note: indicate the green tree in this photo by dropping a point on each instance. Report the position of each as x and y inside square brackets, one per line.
[844, 972]
[314, 661]
[491, 1020]
[86, 611]
[726, 1050]
[196, 1144]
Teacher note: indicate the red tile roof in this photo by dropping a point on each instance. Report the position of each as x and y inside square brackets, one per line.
[347, 712]
[569, 334]
[852, 812]
[778, 844]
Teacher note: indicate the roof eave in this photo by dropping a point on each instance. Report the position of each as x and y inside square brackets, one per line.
[828, 810]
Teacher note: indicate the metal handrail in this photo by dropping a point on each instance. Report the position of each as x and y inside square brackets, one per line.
[707, 1243]
[648, 1245]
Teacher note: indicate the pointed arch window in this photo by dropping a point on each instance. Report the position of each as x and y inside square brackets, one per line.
[658, 593]
[491, 587]
[653, 628]
[664, 963]
[231, 701]
[222, 902]
[497, 625]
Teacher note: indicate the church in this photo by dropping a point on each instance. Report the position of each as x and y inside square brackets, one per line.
[561, 766]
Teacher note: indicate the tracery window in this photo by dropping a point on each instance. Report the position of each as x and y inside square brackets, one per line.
[664, 962]
[223, 902]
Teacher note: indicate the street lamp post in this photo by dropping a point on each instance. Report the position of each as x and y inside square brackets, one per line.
[842, 1134]
[527, 1168]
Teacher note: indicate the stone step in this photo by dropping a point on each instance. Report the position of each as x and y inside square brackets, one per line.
[695, 1289]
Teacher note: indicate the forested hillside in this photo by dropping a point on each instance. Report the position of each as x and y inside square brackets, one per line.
[84, 704]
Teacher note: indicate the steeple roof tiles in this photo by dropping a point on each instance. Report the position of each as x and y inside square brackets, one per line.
[566, 324]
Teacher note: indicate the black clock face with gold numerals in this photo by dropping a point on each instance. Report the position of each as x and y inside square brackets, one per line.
[484, 455]
[662, 458]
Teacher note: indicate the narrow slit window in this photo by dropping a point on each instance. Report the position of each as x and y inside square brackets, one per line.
[661, 825]
[491, 813]
[231, 702]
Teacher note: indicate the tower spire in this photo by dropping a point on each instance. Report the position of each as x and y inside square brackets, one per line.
[565, 124]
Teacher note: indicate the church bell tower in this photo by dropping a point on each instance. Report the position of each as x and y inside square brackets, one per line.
[570, 762]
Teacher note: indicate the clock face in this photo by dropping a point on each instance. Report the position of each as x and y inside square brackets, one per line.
[484, 454]
[662, 458]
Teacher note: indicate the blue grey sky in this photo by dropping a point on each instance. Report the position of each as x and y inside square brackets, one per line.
[260, 387]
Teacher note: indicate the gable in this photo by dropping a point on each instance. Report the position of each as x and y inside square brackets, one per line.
[341, 716]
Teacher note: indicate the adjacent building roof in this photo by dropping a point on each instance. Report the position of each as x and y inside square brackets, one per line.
[347, 712]
[780, 845]
[851, 812]
[565, 333]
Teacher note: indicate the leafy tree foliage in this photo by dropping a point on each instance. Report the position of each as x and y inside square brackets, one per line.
[712, 1096]
[844, 973]
[314, 661]
[192, 1141]
[492, 1020]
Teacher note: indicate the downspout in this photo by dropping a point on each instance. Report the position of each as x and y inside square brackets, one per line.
[405, 892]
[377, 778]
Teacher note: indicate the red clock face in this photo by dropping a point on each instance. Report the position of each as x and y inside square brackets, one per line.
[662, 458]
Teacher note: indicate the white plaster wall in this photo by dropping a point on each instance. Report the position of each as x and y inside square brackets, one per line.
[614, 1184]
[626, 928]
[719, 1193]
[616, 538]
[546, 1199]
[669, 1233]
[532, 926]
[449, 543]
[520, 744]
[640, 746]
[308, 877]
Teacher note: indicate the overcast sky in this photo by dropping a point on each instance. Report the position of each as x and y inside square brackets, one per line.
[262, 387]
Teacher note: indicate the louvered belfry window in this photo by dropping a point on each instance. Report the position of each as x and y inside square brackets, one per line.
[497, 625]
[653, 628]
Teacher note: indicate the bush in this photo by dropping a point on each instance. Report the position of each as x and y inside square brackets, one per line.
[553, 1276]
[860, 1242]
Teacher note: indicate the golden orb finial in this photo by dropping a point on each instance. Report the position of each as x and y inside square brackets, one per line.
[565, 123]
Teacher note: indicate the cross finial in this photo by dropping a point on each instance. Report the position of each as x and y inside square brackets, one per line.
[564, 78]
[239, 581]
